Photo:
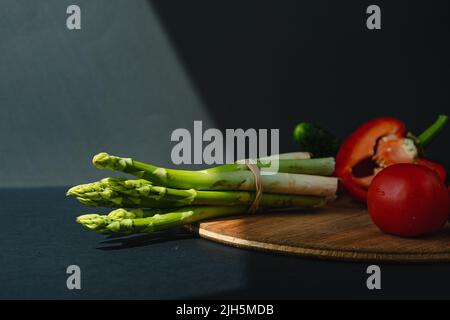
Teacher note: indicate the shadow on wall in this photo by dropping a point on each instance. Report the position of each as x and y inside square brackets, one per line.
[260, 65]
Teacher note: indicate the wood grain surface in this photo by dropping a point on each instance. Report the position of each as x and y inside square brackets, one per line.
[342, 231]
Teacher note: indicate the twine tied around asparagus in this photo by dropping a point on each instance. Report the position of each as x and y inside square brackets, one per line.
[251, 164]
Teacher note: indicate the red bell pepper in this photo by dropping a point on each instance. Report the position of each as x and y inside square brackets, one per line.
[378, 144]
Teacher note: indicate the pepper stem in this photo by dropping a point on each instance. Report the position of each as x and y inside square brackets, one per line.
[425, 137]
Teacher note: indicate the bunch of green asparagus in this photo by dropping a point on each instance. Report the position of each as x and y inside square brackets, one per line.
[164, 198]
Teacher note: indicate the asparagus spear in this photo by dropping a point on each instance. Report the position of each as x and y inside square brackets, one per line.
[147, 221]
[318, 166]
[119, 192]
[288, 155]
[100, 222]
[282, 156]
[228, 180]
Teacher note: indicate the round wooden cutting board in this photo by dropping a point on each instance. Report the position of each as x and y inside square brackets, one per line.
[342, 231]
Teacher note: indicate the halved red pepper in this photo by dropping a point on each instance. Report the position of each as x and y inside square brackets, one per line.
[378, 144]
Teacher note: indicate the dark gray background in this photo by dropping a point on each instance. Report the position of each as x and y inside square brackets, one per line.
[117, 85]
[139, 69]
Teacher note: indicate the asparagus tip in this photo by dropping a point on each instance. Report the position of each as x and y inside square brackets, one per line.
[104, 160]
[101, 160]
[86, 217]
[75, 191]
[89, 220]
[94, 222]
[70, 192]
[118, 214]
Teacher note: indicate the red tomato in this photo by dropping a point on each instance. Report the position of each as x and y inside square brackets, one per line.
[408, 200]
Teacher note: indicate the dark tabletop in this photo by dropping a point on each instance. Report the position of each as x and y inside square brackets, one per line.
[40, 239]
